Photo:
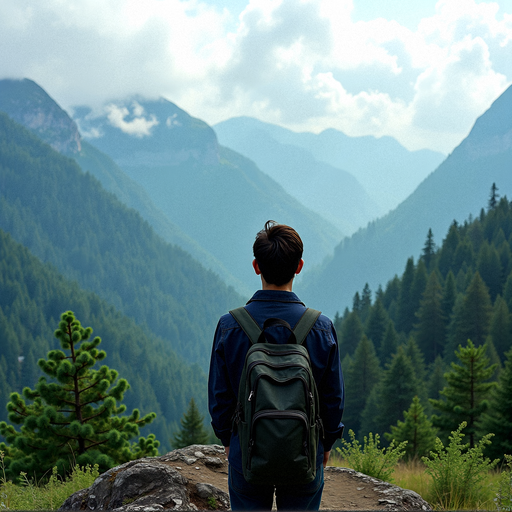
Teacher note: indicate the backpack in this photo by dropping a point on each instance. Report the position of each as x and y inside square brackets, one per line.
[277, 414]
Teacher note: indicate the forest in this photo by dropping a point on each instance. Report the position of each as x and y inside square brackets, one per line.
[440, 332]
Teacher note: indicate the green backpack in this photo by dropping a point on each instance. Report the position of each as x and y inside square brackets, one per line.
[277, 414]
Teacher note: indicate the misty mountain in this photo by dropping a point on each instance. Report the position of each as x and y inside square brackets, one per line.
[215, 195]
[28, 104]
[333, 193]
[65, 217]
[387, 171]
[458, 187]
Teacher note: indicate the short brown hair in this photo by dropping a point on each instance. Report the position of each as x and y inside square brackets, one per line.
[278, 251]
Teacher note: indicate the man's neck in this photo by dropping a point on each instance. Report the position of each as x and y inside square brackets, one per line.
[287, 287]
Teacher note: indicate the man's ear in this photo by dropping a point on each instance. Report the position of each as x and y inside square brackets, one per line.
[299, 267]
[256, 267]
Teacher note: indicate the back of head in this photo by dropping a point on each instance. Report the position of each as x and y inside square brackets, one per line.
[278, 251]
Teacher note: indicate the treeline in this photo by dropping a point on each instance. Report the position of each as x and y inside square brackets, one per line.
[32, 299]
[401, 343]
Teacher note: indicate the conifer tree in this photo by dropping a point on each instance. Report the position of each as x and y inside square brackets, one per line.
[493, 197]
[389, 344]
[75, 415]
[498, 417]
[429, 250]
[471, 318]
[414, 353]
[430, 331]
[489, 268]
[465, 397]
[192, 428]
[416, 429]
[362, 375]
[501, 327]
[376, 323]
[436, 381]
[449, 296]
[447, 252]
[349, 334]
[397, 388]
[366, 302]
[405, 301]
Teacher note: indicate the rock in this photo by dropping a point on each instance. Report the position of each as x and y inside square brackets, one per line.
[151, 484]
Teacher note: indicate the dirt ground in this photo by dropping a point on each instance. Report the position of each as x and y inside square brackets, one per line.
[342, 491]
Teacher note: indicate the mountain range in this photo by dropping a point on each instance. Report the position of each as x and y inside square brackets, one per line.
[459, 187]
[368, 176]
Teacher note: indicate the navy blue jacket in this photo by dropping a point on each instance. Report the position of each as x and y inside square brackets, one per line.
[230, 347]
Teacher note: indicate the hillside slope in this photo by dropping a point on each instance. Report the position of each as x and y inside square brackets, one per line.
[458, 187]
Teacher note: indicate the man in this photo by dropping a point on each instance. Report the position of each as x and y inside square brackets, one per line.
[277, 259]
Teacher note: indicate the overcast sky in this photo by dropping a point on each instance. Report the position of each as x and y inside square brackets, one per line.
[416, 70]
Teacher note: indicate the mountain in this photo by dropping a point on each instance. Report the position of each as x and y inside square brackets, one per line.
[28, 104]
[457, 188]
[215, 195]
[387, 171]
[33, 297]
[66, 218]
[333, 193]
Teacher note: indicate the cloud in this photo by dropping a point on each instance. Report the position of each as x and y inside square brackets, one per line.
[137, 125]
[305, 64]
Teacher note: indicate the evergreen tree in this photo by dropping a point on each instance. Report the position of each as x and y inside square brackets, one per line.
[498, 417]
[418, 363]
[447, 252]
[417, 290]
[397, 388]
[471, 320]
[436, 381]
[349, 335]
[429, 250]
[493, 197]
[366, 302]
[192, 428]
[465, 398]
[405, 301]
[501, 327]
[449, 296]
[362, 375]
[430, 331]
[376, 323]
[416, 429]
[489, 268]
[389, 344]
[75, 415]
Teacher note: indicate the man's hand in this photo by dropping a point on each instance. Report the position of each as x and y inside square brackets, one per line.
[326, 457]
[226, 448]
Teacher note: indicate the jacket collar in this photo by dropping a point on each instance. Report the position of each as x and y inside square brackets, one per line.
[275, 296]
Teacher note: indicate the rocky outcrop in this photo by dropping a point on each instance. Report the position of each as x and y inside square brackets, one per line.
[196, 478]
[29, 105]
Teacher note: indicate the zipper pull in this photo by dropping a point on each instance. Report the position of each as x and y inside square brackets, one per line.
[251, 394]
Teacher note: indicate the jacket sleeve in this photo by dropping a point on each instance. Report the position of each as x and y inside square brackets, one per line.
[332, 396]
[221, 398]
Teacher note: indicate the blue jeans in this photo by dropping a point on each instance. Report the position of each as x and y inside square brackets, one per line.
[246, 496]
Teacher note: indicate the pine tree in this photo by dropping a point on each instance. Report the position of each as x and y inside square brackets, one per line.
[416, 429]
[449, 296]
[74, 416]
[362, 375]
[376, 323]
[501, 327]
[366, 302]
[430, 331]
[447, 252]
[414, 353]
[429, 250]
[498, 417]
[471, 318]
[389, 344]
[493, 197]
[436, 381]
[465, 398]
[405, 301]
[349, 334]
[192, 428]
[489, 268]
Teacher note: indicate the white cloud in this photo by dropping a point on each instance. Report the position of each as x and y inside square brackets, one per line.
[307, 64]
[138, 125]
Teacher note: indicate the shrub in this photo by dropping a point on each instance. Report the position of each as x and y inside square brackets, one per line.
[457, 472]
[503, 499]
[369, 458]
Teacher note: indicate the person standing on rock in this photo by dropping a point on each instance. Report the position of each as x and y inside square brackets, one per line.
[277, 259]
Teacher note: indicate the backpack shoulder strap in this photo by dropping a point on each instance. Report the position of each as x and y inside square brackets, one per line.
[305, 324]
[247, 323]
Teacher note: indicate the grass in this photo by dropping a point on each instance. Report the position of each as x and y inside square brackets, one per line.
[49, 495]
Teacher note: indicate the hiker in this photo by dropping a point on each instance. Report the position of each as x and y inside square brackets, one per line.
[277, 259]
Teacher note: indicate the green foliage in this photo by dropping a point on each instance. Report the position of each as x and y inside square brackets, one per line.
[416, 429]
[74, 415]
[192, 428]
[503, 498]
[48, 495]
[369, 458]
[465, 398]
[457, 471]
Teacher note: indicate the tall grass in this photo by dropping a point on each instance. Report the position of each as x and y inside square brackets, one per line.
[50, 495]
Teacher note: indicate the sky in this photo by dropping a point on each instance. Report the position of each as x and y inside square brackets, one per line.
[419, 71]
